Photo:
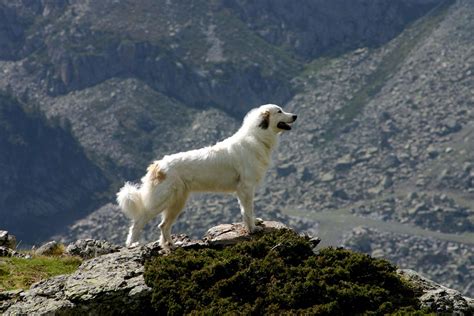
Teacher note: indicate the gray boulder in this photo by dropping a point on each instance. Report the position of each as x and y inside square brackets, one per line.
[90, 248]
[437, 297]
[230, 234]
[344, 163]
[50, 248]
[7, 240]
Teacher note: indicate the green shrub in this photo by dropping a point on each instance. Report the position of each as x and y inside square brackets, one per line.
[275, 273]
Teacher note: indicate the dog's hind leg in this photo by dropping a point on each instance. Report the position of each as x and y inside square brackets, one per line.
[156, 200]
[135, 231]
[169, 217]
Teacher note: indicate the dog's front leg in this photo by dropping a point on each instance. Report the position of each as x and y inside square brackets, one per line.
[245, 196]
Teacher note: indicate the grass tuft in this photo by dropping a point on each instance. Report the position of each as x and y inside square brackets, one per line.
[21, 273]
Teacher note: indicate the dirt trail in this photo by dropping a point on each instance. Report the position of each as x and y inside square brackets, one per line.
[333, 224]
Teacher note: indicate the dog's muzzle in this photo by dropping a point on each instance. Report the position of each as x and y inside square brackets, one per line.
[286, 126]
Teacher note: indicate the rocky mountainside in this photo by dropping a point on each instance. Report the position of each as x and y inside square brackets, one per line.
[383, 90]
[44, 172]
[394, 137]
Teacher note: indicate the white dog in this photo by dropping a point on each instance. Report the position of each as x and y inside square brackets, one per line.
[236, 164]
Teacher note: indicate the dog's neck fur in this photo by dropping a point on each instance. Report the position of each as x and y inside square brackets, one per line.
[263, 143]
[269, 141]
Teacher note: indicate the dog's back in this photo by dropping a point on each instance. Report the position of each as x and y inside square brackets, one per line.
[210, 169]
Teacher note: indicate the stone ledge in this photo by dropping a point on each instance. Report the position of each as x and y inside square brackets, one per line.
[110, 283]
[437, 297]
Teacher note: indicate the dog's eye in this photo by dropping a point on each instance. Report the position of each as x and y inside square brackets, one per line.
[279, 111]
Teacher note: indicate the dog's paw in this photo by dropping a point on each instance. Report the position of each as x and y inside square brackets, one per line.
[167, 247]
[133, 245]
[258, 221]
[256, 229]
[164, 251]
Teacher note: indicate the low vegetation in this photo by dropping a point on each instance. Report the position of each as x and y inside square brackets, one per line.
[21, 273]
[276, 273]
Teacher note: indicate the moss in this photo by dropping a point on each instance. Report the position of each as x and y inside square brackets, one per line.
[275, 273]
[20, 273]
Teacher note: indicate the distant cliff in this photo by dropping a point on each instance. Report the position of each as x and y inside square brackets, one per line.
[46, 178]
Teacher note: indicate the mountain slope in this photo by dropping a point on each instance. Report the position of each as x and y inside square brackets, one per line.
[46, 178]
[132, 78]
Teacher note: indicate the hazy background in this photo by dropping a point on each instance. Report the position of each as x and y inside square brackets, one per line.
[381, 158]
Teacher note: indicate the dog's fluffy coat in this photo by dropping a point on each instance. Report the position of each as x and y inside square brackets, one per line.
[236, 164]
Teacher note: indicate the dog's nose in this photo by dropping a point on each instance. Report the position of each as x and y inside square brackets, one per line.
[294, 117]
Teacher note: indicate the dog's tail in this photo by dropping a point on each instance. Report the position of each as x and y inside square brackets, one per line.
[130, 200]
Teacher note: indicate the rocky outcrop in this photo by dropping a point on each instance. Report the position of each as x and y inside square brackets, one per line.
[110, 284]
[230, 234]
[7, 240]
[90, 248]
[113, 283]
[8, 246]
[49, 249]
[437, 297]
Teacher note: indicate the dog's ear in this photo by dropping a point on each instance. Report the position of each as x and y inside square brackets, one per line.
[265, 116]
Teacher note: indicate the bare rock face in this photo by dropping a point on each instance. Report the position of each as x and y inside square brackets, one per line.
[437, 297]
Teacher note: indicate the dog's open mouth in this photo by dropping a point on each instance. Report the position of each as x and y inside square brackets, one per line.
[283, 125]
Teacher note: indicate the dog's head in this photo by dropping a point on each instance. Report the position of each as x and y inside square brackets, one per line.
[271, 117]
